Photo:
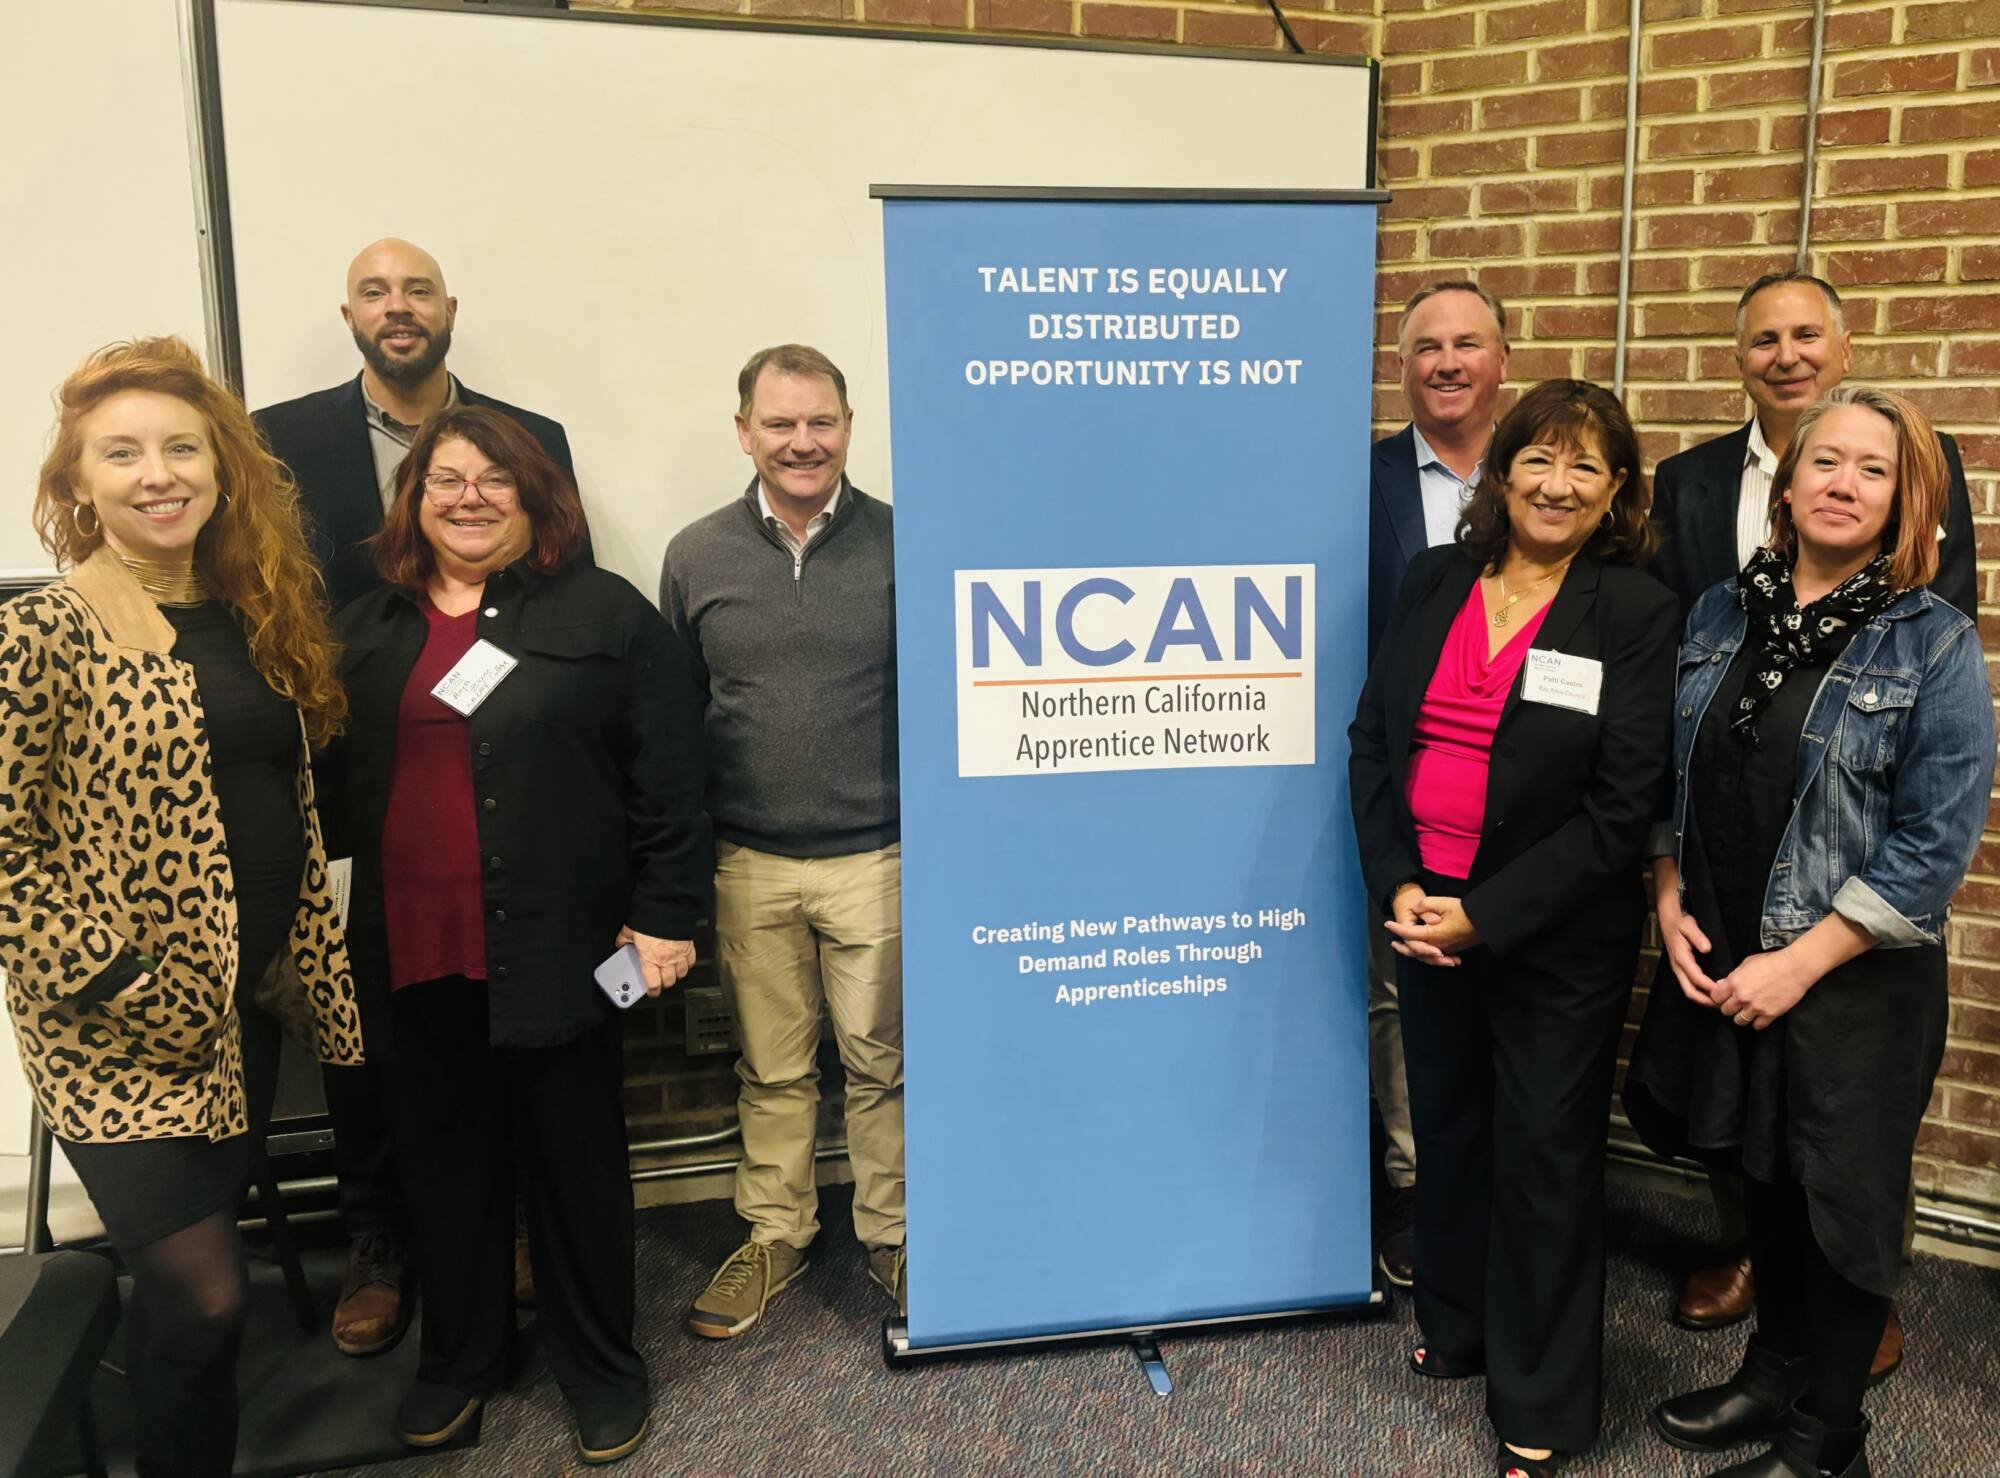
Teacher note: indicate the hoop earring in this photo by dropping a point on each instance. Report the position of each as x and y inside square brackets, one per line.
[76, 512]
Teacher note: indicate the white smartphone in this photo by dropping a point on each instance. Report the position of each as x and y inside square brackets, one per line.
[622, 977]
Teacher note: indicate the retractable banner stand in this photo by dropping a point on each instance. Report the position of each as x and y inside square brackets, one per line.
[1130, 456]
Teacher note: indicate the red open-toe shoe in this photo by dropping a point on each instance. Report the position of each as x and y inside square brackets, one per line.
[1511, 1464]
[1427, 1362]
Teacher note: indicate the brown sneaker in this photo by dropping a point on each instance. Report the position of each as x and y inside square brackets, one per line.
[755, 1273]
[524, 1272]
[374, 1309]
[1714, 1297]
[889, 1267]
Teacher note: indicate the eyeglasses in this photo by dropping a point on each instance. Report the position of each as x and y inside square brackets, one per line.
[444, 489]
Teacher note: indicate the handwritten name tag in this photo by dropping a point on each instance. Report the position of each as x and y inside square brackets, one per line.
[473, 676]
[1563, 681]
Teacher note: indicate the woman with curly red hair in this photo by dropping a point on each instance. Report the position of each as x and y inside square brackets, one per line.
[164, 901]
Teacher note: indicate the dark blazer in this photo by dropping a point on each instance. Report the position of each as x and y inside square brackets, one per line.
[1570, 795]
[1694, 506]
[1395, 526]
[323, 439]
[587, 765]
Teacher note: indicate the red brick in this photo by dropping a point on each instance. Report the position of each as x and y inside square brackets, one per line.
[1526, 109]
[1740, 7]
[1653, 11]
[1952, 121]
[1486, 69]
[1706, 45]
[1480, 156]
[1659, 274]
[1975, 1106]
[1396, 246]
[1932, 71]
[1052, 16]
[1846, 30]
[819, 10]
[1663, 187]
[1656, 446]
[1530, 279]
[1893, 264]
[1334, 37]
[1715, 362]
[1571, 150]
[1403, 120]
[1960, 1146]
[1397, 286]
[1139, 22]
[1405, 37]
[1895, 175]
[1580, 59]
[1857, 126]
[1390, 404]
[1655, 362]
[1402, 79]
[1977, 982]
[1830, 223]
[1243, 28]
[1985, 67]
[1533, 362]
[1897, 359]
[1548, 18]
[1419, 203]
[1982, 167]
[1788, 134]
[1970, 1065]
[1979, 264]
[1578, 234]
[1693, 140]
[1955, 21]
[1476, 243]
[1527, 197]
[1697, 319]
[1750, 182]
[1976, 217]
[916, 13]
[1709, 228]
[1680, 403]
[1764, 85]
[1575, 321]
[1959, 404]
[1980, 450]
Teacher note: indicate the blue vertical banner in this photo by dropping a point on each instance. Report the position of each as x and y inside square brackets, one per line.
[1131, 493]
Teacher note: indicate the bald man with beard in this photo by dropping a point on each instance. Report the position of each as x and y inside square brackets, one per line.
[343, 446]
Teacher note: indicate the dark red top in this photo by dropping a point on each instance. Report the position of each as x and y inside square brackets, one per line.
[430, 837]
[1452, 740]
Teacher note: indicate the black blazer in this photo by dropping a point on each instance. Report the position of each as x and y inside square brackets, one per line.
[1395, 526]
[587, 769]
[1570, 796]
[323, 438]
[1694, 505]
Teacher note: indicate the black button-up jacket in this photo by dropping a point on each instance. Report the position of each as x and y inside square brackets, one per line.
[587, 781]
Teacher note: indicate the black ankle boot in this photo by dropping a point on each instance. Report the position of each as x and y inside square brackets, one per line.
[1808, 1448]
[1749, 1407]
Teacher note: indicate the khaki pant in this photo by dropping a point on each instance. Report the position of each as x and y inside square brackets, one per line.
[1385, 1060]
[797, 938]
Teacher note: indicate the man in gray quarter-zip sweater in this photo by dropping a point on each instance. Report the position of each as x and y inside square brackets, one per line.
[787, 602]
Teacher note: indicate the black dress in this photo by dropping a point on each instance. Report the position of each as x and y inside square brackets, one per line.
[146, 1189]
[1831, 1094]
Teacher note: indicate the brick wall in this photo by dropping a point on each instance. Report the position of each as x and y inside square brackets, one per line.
[1502, 136]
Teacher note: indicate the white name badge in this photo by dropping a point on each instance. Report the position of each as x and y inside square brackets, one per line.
[473, 676]
[340, 879]
[1563, 681]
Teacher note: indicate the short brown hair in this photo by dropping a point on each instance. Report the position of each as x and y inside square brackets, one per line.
[1452, 285]
[787, 359]
[1834, 309]
[403, 554]
[1922, 480]
[1562, 412]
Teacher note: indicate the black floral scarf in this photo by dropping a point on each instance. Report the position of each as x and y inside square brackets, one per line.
[1782, 635]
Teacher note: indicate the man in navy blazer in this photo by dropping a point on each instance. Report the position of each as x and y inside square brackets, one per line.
[1452, 344]
[343, 445]
[1711, 504]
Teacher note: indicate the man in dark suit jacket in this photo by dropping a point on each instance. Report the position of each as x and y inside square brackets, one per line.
[1452, 343]
[343, 446]
[1712, 506]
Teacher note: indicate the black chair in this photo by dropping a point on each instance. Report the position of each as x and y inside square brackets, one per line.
[58, 1311]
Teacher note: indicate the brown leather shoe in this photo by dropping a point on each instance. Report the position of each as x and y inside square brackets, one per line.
[1713, 1298]
[374, 1307]
[524, 1272]
[1888, 1354]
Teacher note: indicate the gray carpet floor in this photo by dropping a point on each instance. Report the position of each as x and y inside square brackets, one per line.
[807, 1392]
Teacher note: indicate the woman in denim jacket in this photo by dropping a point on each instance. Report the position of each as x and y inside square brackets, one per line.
[1833, 752]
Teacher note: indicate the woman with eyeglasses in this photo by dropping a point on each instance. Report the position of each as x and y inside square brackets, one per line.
[520, 791]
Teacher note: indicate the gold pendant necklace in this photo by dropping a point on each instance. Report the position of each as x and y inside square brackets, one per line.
[1509, 601]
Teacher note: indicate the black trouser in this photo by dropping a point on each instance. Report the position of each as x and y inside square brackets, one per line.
[1510, 1089]
[1804, 1307]
[464, 1109]
[361, 1102]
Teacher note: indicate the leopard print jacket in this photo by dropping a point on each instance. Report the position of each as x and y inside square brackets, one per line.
[111, 839]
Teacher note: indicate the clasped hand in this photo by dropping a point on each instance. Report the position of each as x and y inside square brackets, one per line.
[1434, 930]
[1756, 993]
[665, 962]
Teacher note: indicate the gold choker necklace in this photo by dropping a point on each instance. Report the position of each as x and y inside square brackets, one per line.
[169, 583]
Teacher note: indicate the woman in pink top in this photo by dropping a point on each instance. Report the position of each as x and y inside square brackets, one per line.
[1507, 757]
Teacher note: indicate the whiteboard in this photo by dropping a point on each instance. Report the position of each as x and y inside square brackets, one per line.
[97, 229]
[626, 209]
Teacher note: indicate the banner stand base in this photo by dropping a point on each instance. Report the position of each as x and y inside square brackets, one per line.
[899, 1354]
